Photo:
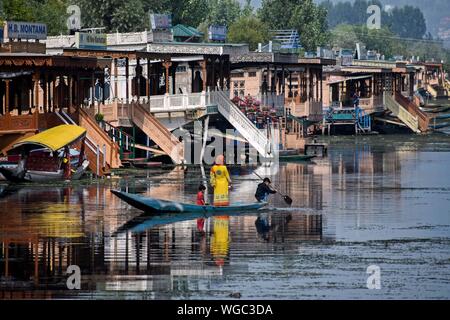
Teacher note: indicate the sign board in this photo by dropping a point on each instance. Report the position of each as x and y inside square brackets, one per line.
[26, 30]
[346, 60]
[325, 53]
[217, 33]
[96, 41]
[160, 21]
[1, 35]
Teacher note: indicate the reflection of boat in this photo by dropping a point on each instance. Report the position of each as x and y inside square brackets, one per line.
[47, 156]
[146, 222]
[162, 206]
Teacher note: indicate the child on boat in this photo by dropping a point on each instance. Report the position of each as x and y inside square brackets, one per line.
[201, 195]
[201, 202]
[263, 190]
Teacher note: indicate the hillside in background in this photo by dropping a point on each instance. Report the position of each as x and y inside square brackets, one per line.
[436, 12]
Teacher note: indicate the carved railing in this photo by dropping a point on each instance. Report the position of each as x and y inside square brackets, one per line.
[19, 123]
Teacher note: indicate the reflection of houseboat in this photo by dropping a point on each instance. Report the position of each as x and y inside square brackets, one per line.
[47, 156]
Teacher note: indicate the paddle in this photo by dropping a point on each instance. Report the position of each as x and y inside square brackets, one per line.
[286, 198]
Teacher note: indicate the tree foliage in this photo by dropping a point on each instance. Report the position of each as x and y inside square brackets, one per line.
[248, 29]
[305, 16]
[406, 21]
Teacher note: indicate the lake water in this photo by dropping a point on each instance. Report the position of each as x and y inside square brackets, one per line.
[373, 201]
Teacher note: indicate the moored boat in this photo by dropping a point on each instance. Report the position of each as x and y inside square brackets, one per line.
[46, 156]
[154, 205]
[296, 158]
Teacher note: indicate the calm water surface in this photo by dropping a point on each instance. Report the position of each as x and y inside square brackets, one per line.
[380, 200]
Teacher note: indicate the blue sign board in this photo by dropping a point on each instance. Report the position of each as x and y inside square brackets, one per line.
[26, 30]
[1, 35]
[217, 33]
[95, 41]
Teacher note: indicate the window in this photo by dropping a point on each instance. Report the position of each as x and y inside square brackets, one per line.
[181, 69]
[235, 93]
[252, 74]
[242, 84]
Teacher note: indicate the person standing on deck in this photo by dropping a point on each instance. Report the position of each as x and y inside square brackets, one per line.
[220, 181]
[355, 100]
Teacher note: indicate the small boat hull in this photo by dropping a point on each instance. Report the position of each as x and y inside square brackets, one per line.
[11, 174]
[296, 158]
[148, 204]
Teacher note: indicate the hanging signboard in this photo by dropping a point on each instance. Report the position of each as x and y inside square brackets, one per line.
[1, 35]
[95, 41]
[217, 33]
[25, 30]
[160, 21]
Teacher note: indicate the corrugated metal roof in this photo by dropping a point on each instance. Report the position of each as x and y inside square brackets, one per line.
[180, 30]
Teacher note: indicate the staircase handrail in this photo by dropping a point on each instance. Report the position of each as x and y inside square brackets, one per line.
[224, 102]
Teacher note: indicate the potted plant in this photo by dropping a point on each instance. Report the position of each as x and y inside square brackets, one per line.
[99, 117]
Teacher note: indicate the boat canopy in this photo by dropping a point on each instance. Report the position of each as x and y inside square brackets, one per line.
[55, 138]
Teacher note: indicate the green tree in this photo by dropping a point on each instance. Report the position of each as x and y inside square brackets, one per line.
[248, 9]
[407, 22]
[114, 15]
[310, 22]
[18, 10]
[248, 29]
[53, 14]
[223, 12]
[305, 16]
[276, 14]
[192, 13]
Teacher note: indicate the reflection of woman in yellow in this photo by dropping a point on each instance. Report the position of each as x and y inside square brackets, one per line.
[220, 241]
[220, 180]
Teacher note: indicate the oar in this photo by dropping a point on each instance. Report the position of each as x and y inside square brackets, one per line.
[286, 198]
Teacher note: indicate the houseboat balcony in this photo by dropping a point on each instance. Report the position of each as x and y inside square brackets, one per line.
[312, 110]
[15, 123]
[370, 105]
[116, 109]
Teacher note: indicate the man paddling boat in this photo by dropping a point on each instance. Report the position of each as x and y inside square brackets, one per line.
[263, 190]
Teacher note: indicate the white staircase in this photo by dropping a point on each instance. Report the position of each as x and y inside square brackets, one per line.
[241, 123]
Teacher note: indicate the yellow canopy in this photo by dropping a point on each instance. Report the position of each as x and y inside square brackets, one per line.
[55, 138]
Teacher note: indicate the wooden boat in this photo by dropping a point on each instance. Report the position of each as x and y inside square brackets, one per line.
[296, 158]
[153, 205]
[146, 164]
[47, 157]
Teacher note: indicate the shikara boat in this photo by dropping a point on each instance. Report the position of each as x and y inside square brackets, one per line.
[296, 158]
[293, 155]
[153, 205]
[46, 156]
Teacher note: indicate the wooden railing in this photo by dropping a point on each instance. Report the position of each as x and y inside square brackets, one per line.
[400, 112]
[99, 137]
[145, 121]
[424, 120]
[19, 123]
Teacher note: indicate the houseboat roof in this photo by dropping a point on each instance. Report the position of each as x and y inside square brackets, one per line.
[46, 60]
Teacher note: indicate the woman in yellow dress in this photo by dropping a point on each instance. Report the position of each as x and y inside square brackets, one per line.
[220, 181]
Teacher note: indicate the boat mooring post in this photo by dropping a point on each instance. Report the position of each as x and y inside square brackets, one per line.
[98, 160]
[104, 156]
[202, 154]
